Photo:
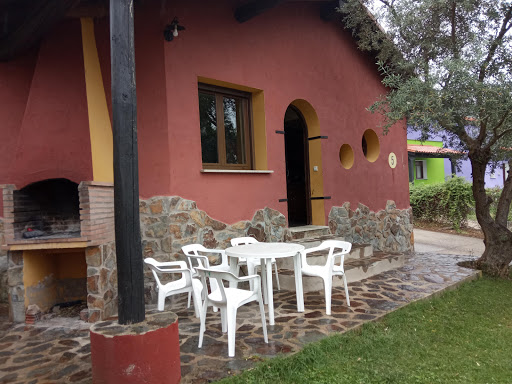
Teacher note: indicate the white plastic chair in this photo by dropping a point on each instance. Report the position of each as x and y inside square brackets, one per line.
[229, 300]
[185, 284]
[197, 257]
[330, 269]
[252, 264]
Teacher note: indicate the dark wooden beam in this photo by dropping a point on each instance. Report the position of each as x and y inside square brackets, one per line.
[130, 275]
[96, 10]
[328, 11]
[38, 19]
[248, 11]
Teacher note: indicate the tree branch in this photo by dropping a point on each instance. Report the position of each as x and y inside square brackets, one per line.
[495, 43]
[502, 134]
[455, 51]
[505, 198]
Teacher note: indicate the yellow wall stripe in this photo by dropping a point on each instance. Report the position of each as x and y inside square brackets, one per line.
[100, 128]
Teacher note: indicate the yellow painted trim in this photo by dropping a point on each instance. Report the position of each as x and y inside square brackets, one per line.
[35, 269]
[316, 179]
[257, 117]
[372, 145]
[346, 156]
[100, 129]
[71, 265]
[259, 131]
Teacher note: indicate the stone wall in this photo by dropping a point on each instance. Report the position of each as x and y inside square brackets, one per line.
[389, 230]
[16, 289]
[101, 281]
[3, 266]
[170, 222]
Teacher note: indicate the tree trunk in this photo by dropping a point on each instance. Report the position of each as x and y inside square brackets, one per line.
[498, 251]
[497, 238]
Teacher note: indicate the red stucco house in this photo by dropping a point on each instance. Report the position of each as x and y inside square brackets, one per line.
[248, 123]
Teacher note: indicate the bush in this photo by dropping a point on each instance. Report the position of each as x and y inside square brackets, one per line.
[449, 202]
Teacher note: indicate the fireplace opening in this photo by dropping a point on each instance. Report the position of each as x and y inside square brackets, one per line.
[55, 278]
[47, 209]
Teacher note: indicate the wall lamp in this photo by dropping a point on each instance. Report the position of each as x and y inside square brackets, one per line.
[171, 30]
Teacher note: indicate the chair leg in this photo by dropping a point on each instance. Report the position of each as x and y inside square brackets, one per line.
[264, 281]
[214, 286]
[197, 302]
[277, 277]
[251, 270]
[161, 300]
[346, 289]
[328, 292]
[202, 319]
[189, 297]
[223, 320]
[263, 320]
[231, 320]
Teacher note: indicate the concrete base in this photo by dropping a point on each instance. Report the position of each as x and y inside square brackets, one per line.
[147, 352]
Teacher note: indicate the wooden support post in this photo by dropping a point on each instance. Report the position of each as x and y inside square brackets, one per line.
[126, 174]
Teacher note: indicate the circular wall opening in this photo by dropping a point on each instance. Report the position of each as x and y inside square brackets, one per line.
[370, 145]
[346, 156]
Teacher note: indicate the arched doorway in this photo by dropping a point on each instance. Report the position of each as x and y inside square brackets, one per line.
[297, 168]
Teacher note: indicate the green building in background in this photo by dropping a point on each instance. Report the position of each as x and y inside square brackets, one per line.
[429, 162]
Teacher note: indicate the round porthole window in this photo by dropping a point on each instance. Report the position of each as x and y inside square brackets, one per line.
[346, 156]
[370, 145]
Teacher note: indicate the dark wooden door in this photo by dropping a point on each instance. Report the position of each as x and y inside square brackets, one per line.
[297, 166]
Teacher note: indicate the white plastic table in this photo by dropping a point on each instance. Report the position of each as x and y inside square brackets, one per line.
[265, 252]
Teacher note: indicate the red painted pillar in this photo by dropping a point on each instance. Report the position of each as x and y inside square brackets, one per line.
[146, 352]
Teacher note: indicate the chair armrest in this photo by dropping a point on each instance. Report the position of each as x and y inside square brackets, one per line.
[172, 270]
[208, 250]
[314, 249]
[200, 258]
[247, 278]
[181, 268]
[180, 263]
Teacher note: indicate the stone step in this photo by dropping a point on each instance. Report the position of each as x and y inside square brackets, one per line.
[310, 242]
[308, 231]
[357, 252]
[356, 269]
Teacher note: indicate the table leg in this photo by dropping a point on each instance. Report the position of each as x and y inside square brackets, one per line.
[264, 287]
[233, 264]
[298, 282]
[270, 292]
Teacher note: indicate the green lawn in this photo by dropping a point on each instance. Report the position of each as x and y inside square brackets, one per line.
[464, 336]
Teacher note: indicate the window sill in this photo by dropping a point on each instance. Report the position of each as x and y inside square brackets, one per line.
[250, 171]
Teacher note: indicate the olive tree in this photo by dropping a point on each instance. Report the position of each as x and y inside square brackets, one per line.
[448, 68]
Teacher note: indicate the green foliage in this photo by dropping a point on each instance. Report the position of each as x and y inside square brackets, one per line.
[452, 78]
[455, 64]
[449, 202]
[464, 336]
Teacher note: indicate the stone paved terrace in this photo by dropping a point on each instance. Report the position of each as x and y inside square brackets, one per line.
[58, 351]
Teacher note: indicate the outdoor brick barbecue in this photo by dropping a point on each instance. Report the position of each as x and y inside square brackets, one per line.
[60, 242]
